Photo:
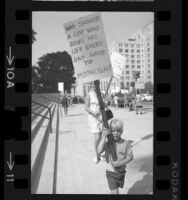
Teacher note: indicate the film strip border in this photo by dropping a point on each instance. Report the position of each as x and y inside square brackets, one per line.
[17, 98]
[166, 105]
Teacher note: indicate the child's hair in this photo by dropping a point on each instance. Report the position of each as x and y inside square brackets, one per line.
[116, 123]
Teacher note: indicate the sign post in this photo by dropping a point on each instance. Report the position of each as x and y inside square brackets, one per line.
[105, 121]
[89, 52]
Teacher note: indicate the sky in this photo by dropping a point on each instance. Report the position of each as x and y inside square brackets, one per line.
[50, 37]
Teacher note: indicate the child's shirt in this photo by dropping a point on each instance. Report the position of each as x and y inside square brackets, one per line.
[123, 148]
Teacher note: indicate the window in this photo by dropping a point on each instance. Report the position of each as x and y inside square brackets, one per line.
[138, 51]
[120, 50]
[132, 50]
[148, 65]
[126, 45]
[138, 61]
[132, 56]
[120, 44]
[148, 60]
[138, 66]
[126, 56]
[138, 46]
[148, 71]
[127, 72]
[127, 60]
[132, 66]
[127, 66]
[126, 50]
[132, 61]
[138, 56]
[132, 45]
[148, 49]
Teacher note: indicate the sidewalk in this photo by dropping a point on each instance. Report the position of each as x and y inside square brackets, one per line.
[76, 172]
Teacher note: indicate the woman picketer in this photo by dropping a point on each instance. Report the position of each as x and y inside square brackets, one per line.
[94, 118]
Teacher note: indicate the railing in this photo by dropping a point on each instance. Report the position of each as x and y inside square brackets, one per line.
[49, 110]
[55, 99]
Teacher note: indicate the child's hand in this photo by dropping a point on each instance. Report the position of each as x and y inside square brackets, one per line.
[106, 132]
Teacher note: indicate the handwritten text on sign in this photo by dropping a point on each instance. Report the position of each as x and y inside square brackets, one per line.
[89, 49]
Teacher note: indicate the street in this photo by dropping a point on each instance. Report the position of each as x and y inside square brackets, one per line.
[76, 172]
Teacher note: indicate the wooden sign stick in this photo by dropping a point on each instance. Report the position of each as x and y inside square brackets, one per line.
[101, 104]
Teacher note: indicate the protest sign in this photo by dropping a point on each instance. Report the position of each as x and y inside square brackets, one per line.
[88, 48]
[118, 64]
[61, 86]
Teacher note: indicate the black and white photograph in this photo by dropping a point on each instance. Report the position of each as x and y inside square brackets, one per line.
[92, 103]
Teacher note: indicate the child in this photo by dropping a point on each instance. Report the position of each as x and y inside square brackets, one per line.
[115, 170]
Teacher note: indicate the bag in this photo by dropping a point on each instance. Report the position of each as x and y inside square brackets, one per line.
[109, 114]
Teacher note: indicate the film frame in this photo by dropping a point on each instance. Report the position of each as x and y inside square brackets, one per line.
[167, 117]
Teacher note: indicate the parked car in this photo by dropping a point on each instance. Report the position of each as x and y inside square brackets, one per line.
[147, 97]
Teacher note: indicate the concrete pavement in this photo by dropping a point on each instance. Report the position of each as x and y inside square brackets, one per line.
[76, 172]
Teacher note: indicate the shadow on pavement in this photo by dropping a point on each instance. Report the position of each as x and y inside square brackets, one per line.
[144, 186]
[147, 137]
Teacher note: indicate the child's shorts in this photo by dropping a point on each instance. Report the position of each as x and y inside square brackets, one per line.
[115, 179]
